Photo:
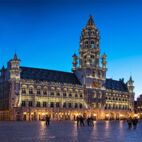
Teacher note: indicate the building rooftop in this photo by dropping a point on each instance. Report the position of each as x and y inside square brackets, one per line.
[116, 85]
[49, 75]
[65, 77]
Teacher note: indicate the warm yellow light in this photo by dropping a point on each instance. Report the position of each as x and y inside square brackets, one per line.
[24, 113]
[121, 115]
[136, 115]
[32, 113]
[95, 114]
[43, 113]
[107, 115]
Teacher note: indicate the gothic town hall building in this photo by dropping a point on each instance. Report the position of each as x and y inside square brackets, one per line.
[31, 93]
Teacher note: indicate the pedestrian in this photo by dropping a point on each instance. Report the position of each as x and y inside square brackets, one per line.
[135, 123]
[82, 121]
[47, 119]
[129, 121]
[88, 121]
[91, 121]
[78, 120]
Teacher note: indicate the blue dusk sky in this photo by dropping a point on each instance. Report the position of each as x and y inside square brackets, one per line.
[45, 33]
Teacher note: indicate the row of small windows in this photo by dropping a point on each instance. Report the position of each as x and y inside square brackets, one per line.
[52, 104]
[117, 99]
[123, 107]
[117, 95]
[51, 94]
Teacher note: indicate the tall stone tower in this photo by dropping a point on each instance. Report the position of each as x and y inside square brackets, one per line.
[13, 75]
[91, 70]
[14, 68]
[130, 85]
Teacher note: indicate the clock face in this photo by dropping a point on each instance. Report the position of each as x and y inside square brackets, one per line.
[96, 85]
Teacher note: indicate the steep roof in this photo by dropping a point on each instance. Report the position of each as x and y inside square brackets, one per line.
[49, 75]
[116, 85]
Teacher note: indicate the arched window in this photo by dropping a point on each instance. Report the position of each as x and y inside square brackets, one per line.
[80, 106]
[70, 95]
[92, 44]
[64, 105]
[38, 91]
[52, 93]
[58, 94]
[45, 91]
[70, 105]
[30, 90]
[24, 90]
[81, 96]
[64, 94]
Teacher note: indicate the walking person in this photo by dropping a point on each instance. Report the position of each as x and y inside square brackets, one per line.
[88, 121]
[129, 121]
[78, 120]
[47, 118]
[135, 123]
[82, 121]
[91, 121]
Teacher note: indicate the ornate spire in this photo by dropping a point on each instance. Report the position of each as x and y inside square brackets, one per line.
[131, 80]
[3, 68]
[90, 21]
[104, 62]
[15, 58]
[74, 62]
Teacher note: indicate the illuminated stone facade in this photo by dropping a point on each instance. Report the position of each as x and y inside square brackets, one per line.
[138, 107]
[31, 93]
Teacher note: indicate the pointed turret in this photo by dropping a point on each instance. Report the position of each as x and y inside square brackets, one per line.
[15, 58]
[3, 68]
[104, 62]
[74, 63]
[130, 85]
[14, 67]
[90, 21]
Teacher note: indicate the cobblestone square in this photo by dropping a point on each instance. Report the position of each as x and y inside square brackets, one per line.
[67, 131]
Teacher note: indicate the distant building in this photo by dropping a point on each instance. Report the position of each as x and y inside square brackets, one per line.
[138, 106]
[31, 93]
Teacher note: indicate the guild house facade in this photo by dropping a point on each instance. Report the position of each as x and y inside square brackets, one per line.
[28, 93]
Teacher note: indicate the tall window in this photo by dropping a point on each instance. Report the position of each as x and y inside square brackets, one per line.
[58, 94]
[64, 105]
[44, 104]
[51, 104]
[38, 104]
[31, 91]
[70, 95]
[44, 92]
[92, 44]
[64, 94]
[76, 105]
[23, 104]
[52, 94]
[80, 105]
[81, 95]
[23, 90]
[30, 103]
[57, 104]
[70, 105]
[38, 92]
